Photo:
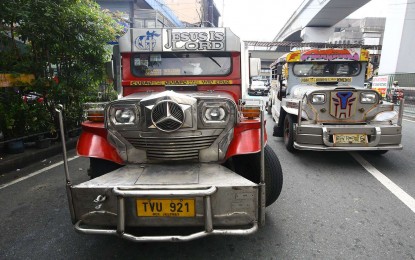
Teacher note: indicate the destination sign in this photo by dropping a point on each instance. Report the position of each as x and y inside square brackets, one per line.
[325, 79]
[180, 82]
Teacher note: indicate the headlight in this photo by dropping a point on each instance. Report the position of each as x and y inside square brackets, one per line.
[215, 113]
[385, 116]
[318, 98]
[368, 98]
[123, 115]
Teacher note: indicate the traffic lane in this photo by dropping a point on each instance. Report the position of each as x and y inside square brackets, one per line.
[35, 215]
[399, 165]
[331, 207]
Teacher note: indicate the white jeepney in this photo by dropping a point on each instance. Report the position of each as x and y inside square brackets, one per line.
[319, 102]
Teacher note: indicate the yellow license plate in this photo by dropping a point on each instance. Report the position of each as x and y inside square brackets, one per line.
[350, 139]
[165, 207]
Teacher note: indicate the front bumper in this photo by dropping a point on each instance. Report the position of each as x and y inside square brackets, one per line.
[320, 137]
[225, 203]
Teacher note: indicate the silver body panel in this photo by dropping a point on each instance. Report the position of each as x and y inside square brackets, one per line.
[319, 137]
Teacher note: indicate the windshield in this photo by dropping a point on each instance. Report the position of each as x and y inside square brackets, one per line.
[325, 69]
[181, 64]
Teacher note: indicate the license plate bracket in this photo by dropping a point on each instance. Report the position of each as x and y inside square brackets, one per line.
[350, 139]
[162, 207]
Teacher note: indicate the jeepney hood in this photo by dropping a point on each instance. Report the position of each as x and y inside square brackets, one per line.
[171, 125]
[341, 104]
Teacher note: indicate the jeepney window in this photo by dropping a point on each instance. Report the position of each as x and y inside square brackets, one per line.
[324, 69]
[181, 64]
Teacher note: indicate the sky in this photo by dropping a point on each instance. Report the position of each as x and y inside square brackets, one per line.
[261, 20]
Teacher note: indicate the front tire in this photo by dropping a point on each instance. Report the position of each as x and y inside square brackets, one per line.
[269, 107]
[249, 167]
[289, 133]
[99, 167]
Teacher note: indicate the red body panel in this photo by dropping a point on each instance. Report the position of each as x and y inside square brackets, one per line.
[93, 143]
[247, 138]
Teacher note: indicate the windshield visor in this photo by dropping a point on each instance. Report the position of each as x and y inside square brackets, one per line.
[325, 69]
[181, 64]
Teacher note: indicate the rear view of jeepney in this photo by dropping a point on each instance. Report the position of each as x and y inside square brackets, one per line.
[325, 106]
[180, 148]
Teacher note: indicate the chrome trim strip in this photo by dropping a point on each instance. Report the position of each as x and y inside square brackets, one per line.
[190, 237]
[188, 192]
[345, 148]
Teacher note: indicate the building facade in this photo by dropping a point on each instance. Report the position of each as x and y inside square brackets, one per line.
[143, 13]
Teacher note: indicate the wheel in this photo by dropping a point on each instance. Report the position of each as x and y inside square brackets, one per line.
[249, 167]
[277, 131]
[289, 133]
[99, 167]
[269, 112]
[269, 107]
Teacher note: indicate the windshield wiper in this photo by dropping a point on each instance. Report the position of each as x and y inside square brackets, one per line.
[217, 63]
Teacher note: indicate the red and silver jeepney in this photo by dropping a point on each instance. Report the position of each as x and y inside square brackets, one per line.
[179, 148]
[319, 102]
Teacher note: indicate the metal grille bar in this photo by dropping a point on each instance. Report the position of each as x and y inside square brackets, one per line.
[173, 148]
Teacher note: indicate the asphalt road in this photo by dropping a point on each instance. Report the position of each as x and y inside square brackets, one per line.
[331, 207]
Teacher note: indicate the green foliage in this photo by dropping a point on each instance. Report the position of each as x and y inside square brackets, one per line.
[14, 114]
[63, 43]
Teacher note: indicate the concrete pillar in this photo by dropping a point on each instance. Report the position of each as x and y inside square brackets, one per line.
[398, 54]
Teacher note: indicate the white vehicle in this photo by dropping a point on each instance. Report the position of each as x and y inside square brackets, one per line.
[258, 88]
[324, 104]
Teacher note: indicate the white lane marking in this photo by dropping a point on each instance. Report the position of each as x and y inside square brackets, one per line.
[391, 186]
[35, 173]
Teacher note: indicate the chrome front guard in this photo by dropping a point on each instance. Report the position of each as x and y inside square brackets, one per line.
[120, 230]
[317, 137]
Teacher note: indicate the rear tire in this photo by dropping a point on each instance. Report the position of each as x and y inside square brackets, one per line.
[289, 133]
[269, 107]
[249, 167]
[99, 167]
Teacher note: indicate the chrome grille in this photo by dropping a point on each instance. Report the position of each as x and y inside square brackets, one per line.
[173, 148]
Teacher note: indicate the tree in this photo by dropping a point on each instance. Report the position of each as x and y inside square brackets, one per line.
[64, 46]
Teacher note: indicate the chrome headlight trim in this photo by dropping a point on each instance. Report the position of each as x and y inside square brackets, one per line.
[318, 98]
[214, 113]
[368, 98]
[119, 112]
